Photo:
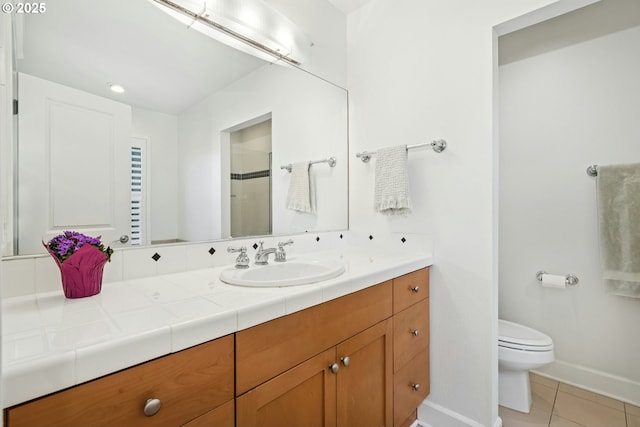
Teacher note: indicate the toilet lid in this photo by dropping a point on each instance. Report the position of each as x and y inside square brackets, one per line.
[518, 336]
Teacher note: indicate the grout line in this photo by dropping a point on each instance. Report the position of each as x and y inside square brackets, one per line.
[587, 400]
[553, 407]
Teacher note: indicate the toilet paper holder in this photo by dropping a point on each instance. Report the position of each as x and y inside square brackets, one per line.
[569, 279]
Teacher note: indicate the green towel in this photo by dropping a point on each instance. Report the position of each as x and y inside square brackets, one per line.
[618, 192]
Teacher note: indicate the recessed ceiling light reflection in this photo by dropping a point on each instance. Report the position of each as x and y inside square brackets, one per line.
[116, 88]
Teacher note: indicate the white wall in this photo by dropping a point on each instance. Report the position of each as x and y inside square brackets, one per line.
[418, 71]
[326, 26]
[199, 187]
[563, 109]
[161, 130]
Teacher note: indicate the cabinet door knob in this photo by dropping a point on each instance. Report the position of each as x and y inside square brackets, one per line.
[152, 406]
[415, 386]
[334, 368]
[415, 289]
[345, 360]
[415, 332]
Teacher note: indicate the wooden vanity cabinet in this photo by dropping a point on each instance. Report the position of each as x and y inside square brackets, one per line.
[338, 370]
[410, 345]
[190, 384]
[358, 360]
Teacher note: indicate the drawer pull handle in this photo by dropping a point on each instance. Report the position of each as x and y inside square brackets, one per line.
[334, 368]
[152, 406]
[345, 360]
[415, 289]
[415, 386]
[415, 332]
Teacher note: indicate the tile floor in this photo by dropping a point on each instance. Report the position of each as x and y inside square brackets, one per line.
[560, 405]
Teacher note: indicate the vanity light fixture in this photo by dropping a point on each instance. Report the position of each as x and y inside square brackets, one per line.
[243, 23]
[116, 88]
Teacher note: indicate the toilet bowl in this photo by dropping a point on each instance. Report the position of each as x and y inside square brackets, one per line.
[520, 349]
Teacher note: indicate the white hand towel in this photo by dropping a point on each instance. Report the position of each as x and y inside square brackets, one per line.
[301, 193]
[618, 191]
[391, 194]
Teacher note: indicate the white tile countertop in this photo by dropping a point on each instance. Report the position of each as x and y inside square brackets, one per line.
[50, 343]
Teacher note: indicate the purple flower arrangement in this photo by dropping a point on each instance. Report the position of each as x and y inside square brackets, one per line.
[66, 244]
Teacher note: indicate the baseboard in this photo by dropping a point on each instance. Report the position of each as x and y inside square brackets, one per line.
[590, 379]
[439, 416]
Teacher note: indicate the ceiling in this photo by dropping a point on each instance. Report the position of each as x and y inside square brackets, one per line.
[163, 65]
[590, 22]
[348, 6]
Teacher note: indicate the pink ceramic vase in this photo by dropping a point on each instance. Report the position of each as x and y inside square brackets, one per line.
[81, 273]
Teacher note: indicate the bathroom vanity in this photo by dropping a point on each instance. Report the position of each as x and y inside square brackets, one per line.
[359, 359]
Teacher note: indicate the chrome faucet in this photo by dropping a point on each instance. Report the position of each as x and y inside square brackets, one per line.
[262, 256]
[243, 259]
[281, 255]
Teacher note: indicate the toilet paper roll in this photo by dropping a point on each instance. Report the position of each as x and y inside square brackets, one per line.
[554, 281]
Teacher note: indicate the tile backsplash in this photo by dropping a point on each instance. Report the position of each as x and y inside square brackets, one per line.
[25, 275]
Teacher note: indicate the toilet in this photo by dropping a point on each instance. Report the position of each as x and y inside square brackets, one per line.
[520, 349]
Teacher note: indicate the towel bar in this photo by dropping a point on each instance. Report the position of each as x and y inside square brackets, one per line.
[331, 160]
[438, 146]
[592, 170]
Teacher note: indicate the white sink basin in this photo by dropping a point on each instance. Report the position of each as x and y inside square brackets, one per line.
[289, 273]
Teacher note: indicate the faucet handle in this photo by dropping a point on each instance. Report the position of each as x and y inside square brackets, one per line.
[281, 255]
[242, 261]
[283, 244]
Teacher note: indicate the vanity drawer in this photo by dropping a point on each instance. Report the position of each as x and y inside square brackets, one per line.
[410, 288]
[405, 397]
[268, 349]
[410, 333]
[188, 383]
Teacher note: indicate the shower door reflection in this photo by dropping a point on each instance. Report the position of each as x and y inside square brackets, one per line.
[251, 180]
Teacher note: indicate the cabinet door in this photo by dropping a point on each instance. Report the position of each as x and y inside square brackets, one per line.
[365, 379]
[303, 396]
[222, 416]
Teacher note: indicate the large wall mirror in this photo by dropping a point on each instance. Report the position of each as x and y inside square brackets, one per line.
[191, 150]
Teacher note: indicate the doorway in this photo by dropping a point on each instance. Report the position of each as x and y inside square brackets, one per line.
[251, 180]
